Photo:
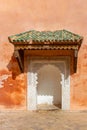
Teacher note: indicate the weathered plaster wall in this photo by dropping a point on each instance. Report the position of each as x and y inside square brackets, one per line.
[12, 85]
[18, 16]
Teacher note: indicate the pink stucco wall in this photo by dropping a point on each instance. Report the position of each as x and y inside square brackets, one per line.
[18, 16]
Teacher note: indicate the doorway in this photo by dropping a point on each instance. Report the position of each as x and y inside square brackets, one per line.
[49, 87]
[48, 82]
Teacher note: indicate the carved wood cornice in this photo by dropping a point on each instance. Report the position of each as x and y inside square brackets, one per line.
[46, 47]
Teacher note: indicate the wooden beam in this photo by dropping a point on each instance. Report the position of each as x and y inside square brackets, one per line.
[19, 60]
[75, 60]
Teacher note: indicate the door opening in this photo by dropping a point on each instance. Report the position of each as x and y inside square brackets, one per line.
[48, 83]
[49, 87]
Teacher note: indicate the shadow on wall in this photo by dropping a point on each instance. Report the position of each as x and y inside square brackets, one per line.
[13, 67]
[12, 86]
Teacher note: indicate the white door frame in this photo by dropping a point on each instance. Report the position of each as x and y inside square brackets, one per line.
[63, 63]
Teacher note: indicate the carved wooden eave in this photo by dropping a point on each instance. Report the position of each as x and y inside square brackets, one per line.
[45, 40]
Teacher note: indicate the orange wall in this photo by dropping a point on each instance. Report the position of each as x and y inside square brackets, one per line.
[18, 16]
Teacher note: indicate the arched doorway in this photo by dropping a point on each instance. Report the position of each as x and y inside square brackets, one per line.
[61, 46]
[49, 87]
[48, 82]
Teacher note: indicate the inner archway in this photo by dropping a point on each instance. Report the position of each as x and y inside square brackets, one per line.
[49, 87]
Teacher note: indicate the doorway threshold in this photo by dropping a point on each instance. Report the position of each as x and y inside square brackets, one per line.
[48, 107]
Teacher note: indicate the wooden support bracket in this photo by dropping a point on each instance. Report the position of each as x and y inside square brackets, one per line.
[75, 60]
[19, 60]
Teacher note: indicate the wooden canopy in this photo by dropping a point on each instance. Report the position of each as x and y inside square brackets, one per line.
[45, 40]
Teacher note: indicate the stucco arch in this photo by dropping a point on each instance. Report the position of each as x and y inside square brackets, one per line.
[61, 65]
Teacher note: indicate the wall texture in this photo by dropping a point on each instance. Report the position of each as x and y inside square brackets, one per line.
[18, 16]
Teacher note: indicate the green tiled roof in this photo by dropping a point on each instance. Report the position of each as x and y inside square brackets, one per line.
[58, 35]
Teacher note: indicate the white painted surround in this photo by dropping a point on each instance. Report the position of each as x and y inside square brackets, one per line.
[40, 85]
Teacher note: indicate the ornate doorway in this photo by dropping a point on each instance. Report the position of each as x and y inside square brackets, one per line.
[48, 82]
[60, 43]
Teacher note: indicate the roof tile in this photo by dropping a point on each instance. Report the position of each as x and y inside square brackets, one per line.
[58, 35]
